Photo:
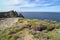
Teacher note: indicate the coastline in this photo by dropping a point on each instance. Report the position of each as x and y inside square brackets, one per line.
[31, 29]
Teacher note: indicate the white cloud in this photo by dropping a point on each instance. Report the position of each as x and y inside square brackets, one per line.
[10, 2]
[17, 4]
[26, 3]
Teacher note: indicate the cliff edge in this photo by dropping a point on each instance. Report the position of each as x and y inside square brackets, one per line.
[10, 14]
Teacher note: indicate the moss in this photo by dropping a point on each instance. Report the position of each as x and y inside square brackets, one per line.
[34, 24]
[35, 20]
[28, 20]
[58, 26]
[39, 35]
[21, 20]
[54, 35]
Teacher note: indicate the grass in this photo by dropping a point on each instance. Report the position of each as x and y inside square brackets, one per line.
[54, 35]
[20, 33]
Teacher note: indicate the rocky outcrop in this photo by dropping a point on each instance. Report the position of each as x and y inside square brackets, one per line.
[10, 14]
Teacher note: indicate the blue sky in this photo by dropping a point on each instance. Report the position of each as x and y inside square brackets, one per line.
[30, 5]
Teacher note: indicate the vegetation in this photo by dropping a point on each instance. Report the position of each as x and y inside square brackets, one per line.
[32, 29]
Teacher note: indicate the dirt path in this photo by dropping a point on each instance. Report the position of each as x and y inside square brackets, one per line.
[27, 35]
[7, 22]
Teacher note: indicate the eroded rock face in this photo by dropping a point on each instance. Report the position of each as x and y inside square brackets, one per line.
[39, 27]
[10, 14]
[42, 27]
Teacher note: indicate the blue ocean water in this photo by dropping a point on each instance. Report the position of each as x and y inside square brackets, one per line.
[43, 15]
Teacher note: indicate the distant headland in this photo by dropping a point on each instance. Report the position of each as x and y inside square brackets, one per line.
[10, 14]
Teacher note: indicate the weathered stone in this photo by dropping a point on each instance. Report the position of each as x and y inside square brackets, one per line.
[42, 27]
[39, 27]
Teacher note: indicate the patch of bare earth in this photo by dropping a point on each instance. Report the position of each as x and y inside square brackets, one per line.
[8, 22]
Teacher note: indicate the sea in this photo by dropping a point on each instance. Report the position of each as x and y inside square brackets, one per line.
[55, 16]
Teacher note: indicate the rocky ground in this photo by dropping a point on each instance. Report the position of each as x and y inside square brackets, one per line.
[7, 22]
[29, 29]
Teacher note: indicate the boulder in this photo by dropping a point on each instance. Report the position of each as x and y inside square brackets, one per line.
[39, 27]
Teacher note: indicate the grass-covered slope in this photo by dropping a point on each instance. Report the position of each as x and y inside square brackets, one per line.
[32, 29]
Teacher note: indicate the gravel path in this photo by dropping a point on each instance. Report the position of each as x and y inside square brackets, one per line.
[7, 22]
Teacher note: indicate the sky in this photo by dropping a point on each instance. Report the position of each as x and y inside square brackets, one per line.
[30, 5]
